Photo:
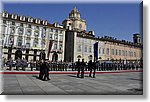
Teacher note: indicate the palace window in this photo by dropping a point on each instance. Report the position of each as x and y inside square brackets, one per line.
[55, 36]
[43, 35]
[79, 48]
[43, 43]
[51, 36]
[103, 50]
[21, 24]
[36, 33]
[11, 40]
[35, 43]
[100, 50]
[13, 23]
[85, 49]
[119, 52]
[19, 41]
[5, 14]
[22, 18]
[37, 27]
[14, 16]
[116, 52]
[60, 47]
[12, 30]
[113, 52]
[61, 31]
[123, 53]
[3, 29]
[131, 54]
[90, 49]
[55, 46]
[37, 20]
[28, 32]
[51, 30]
[60, 37]
[126, 53]
[29, 26]
[107, 51]
[56, 30]
[28, 45]
[4, 21]
[20, 31]
[44, 30]
[30, 19]
[134, 54]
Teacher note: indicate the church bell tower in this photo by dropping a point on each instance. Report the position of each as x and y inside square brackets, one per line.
[74, 22]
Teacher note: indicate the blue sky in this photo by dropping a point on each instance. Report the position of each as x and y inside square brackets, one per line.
[116, 20]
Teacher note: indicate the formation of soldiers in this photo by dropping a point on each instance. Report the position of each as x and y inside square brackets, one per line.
[22, 64]
[18, 64]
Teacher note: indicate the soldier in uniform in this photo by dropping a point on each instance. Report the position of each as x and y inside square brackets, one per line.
[78, 67]
[24, 64]
[10, 63]
[82, 68]
[31, 65]
[18, 64]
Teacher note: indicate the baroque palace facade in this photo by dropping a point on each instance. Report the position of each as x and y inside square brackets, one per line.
[28, 37]
[80, 43]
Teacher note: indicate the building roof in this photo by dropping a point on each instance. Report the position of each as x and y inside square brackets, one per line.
[26, 20]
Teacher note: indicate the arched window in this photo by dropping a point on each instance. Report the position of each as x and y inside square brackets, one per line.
[19, 41]
[11, 40]
[35, 43]
[12, 30]
[20, 31]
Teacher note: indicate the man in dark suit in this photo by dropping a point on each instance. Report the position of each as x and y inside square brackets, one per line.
[95, 65]
[78, 67]
[46, 71]
[90, 67]
[41, 70]
[82, 68]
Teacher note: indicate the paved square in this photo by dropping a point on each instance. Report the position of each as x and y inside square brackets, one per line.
[117, 83]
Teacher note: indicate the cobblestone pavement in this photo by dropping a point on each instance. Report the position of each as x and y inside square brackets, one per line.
[112, 84]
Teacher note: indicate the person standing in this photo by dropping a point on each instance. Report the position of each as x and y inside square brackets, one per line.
[82, 68]
[46, 71]
[23, 64]
[41, 69]
[78, 67]
[31, 64]
[90, 65]
[4, 62]
[18, 64]
[10, 63]
[95, 65]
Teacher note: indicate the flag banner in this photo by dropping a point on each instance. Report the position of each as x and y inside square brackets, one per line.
[96, 51]
[49, 49]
